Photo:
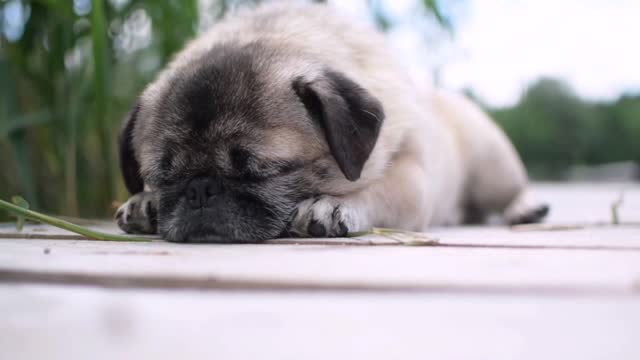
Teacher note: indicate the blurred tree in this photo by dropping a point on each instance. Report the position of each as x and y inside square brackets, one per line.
[553, 129]
[619, 131]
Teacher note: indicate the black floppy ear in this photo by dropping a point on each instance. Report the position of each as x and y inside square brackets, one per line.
[128, 163]
[349, 115]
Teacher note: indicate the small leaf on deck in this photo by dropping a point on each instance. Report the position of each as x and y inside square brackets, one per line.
[20, 220]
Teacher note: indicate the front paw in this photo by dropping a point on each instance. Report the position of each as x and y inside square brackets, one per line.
[139, 215]
[322, 216]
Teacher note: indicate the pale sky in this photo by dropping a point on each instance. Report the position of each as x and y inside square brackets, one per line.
[501, 46]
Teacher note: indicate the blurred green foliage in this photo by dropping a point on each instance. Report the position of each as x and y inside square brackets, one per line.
[554, 129]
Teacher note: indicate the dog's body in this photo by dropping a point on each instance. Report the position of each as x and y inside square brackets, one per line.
[292, 120]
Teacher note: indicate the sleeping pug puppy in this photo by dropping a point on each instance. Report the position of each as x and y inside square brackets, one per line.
[290, 120]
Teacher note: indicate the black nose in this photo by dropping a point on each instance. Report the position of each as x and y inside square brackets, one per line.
[201, 191]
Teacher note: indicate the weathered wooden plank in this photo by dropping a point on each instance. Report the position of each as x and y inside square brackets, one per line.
[581, 270]
[624, 237]
[493, 258]
[589, 202]
[88, 323]
[602, 259]
[579, 218]
[609, 237]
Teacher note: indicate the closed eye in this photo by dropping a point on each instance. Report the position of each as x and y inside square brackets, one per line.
[288, 167]
[268, 170]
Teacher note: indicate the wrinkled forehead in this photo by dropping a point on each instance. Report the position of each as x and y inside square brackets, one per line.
[217, 117]
[213, 96]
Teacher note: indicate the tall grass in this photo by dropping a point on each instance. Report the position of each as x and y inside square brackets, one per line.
[69, 72]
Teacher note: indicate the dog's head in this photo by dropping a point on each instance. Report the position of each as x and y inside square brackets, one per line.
[231, 142]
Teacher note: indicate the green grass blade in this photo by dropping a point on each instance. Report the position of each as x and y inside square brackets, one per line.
[46, 219]
[102, 93]
[20, 201]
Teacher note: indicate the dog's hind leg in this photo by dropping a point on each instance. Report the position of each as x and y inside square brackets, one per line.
[500, 186]
[524, 209]
[498, 181]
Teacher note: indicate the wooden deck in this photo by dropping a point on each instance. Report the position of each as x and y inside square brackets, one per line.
[568, 289]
